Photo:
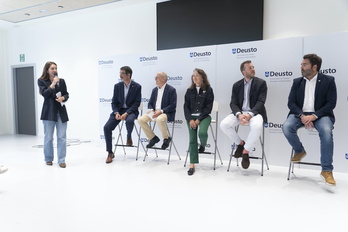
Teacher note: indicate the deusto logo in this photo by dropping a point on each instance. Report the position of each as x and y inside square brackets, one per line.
[145, 99]
[144, 59]
[327, 71]
[199, 54]
[177, 78]
[243, 50]
[273, 125]
[104, 100]
[178, 121]
[101, 62]
[278, 74]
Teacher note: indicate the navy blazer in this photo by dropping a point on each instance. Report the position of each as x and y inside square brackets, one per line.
[133, 98]
[168, 104]
[257, 97]
[325, 96]
[51, 107]
[201, 102]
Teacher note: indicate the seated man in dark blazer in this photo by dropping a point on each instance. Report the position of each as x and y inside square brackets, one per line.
[311, 102]
[161, 108]
[248, 108]
[125, 103]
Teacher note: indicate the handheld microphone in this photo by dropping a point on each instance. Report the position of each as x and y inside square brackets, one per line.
[56, 75]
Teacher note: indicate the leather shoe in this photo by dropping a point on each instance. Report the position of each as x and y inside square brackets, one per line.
[62, 165]
[245, 161]
[191, 171]
[49, 163]
[152, 142]
[110, 157]
[201, 149]
[239, 151]
[129, 142]
[166, 143]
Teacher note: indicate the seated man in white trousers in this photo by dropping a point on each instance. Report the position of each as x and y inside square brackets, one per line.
[248, 108]
[161, 108]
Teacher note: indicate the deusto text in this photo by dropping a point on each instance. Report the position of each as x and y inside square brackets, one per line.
[152, 58]
[278, 74]
[101, 62]
[199, 54]
[243, 50]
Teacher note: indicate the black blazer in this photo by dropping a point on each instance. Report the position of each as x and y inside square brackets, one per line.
[168, 104]
[132, 101]
[257, 97]
[325, 96]
[198, 103]
[51, 107]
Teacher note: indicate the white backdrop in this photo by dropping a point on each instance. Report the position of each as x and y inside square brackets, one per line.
[276, 61]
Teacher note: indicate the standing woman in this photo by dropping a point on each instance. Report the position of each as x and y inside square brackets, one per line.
[198, 104]
[53, 113]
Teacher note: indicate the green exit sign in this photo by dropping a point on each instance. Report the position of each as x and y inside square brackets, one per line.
[22, 57]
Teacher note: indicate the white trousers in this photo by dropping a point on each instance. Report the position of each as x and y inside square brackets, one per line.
[229, 124]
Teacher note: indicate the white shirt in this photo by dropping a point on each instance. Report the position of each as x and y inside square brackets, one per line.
[308, 103]
[159, 97]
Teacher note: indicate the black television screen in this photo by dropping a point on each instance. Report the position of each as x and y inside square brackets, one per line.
[190, 23]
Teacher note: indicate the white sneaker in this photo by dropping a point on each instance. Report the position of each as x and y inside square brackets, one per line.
[3, 169]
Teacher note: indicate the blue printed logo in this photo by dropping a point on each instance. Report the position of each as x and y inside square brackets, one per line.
[234, 50]
[266, 74]
[141, 59]
[266, 125]
[191, 54]
[346, 155]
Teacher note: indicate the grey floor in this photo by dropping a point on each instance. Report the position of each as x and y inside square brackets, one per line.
[129, 195]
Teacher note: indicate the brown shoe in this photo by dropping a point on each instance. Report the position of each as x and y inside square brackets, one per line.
[239, 151]
[245, 161]
[49, 163]
[298, 157]
[62, 165]
[129, 142]
[328, 177]
[110, 157]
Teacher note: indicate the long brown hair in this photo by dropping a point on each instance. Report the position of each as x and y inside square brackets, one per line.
[205, 82]
[45, 76]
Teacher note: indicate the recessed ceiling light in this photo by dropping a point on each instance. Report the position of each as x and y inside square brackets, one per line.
[27, 14]
[61, 6]
[42, 11]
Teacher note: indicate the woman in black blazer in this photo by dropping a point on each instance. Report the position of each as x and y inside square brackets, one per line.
[198, 104]
[53, 114]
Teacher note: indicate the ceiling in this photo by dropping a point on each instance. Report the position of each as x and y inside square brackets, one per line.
[16, 11]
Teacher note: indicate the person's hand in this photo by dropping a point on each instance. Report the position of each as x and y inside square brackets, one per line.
[307, 121]
[156, 114]
[124, 116]
[197, 122]
[60, 99]
[244, 119]
[118, 116]
[193, 124]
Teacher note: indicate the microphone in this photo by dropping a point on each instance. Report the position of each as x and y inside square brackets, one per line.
[56, 75]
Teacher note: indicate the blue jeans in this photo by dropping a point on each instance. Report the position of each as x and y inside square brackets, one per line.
[324, 126]
[61, 140]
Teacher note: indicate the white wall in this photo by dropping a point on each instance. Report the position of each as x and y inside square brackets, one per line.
[75, 41]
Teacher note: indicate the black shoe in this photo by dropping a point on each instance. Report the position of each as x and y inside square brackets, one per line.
[239, 151]
[201, 149]
[191, 171]
[152, 142]
[166, 143]
[245, 161]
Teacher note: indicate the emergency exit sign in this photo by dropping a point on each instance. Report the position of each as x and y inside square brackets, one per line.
[22, 57]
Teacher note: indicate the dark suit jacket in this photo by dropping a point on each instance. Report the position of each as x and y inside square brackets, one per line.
[198, 103]
[325, 96]
[257, 97]
[168, 104]
[51, 107]
[133, 98]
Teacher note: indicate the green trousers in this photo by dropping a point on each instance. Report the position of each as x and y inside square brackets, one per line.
[203, 137]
